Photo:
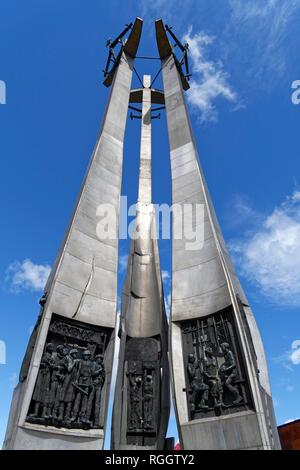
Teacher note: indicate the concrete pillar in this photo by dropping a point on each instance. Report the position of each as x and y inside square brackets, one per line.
[205, 293]
[141, 403]
[79, 309]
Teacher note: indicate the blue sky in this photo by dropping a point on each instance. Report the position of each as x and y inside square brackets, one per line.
[244, 58]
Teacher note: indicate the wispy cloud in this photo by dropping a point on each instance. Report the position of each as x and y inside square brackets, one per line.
[290, 388]
[123, 260]
[26, 275]
[13, 380]
[295, 352]
[168, 304]
[285, 383]
[275, 402]
[244, 10]
[2, 352]
[263, 26]
[269, 255]
[210, 81]
[284, 361]
[169, 10]
[289, 359]
[165, 275]
[240, 212]
[253, 39]
[166, 278]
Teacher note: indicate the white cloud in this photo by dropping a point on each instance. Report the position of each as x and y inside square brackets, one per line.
[240, 212]
[13, 380]
[26, 275]
[165, 275]
[2, 352]
[290, 358]
[123, 260]
[275, 402]
[153, 5]
[249, 9]
[169, 10]
[168, 304]
[284, 383]
[270, 255]
[210, 81]
[295, 352]
[263, 25]
[253, 36]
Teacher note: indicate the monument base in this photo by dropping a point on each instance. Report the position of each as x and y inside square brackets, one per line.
[238, 431]
[35, 437]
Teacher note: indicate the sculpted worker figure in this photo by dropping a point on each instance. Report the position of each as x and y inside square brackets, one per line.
[59, 370]
[83, 388]
[229, 373]
[42, 387]
[94, 403]
[198, 387]
[148, 401]
[67, 392]
[211, 372]
[135, 383]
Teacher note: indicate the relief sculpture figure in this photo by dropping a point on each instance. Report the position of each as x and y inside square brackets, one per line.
[228, 373]
[135, 384]
[68, 388]
[41, 391]
[94, 403]
[60, 369]
[199, 389]
[83, 387]
[67, 392]
[148, 401]
[211, 372]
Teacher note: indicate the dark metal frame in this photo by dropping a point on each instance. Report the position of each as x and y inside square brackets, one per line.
[112, 57]
[184, 59]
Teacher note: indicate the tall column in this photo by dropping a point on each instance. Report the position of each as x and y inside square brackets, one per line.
[145, 178]
[141, 403]
[62, 397]
[220, 378]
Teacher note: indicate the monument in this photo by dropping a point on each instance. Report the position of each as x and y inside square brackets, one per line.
[141, 403]
[62, 397]
[219, 377]
[220, 380]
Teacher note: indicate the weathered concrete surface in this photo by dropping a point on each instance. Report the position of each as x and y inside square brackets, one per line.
[143, 310]
[83, 281]
[204, 281]
[234, 432]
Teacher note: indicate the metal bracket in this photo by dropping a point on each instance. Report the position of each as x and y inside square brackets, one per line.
[158, 109]
[112, 57]
[184, 59]
[134, 116]
[134, 109]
